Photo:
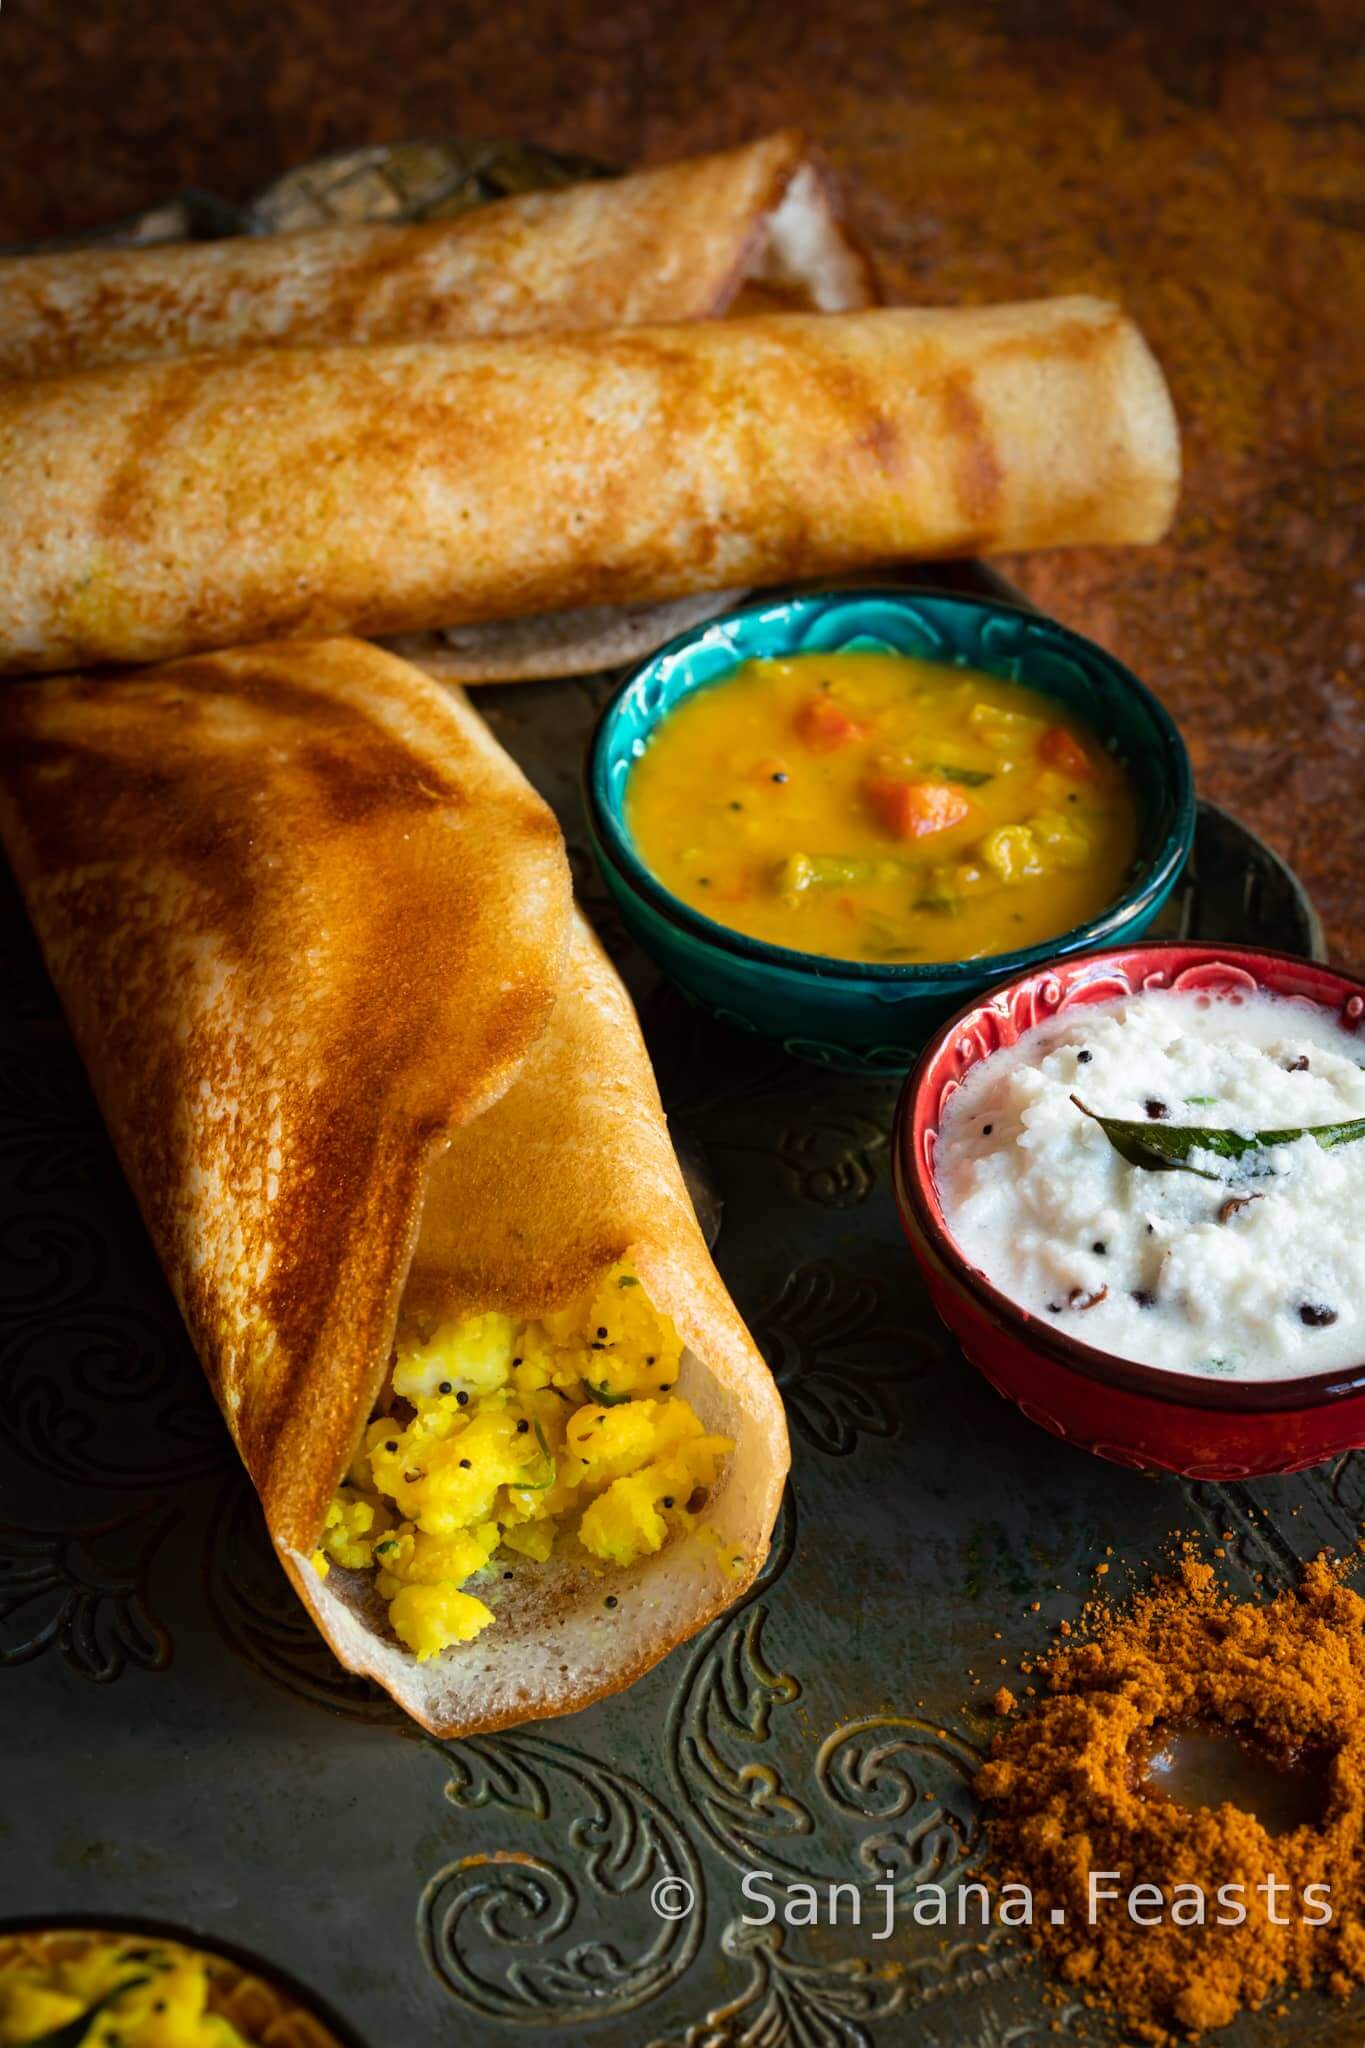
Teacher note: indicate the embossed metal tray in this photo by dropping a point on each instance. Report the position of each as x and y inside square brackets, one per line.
[177, 1745]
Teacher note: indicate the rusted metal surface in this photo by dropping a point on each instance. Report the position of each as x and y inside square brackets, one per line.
[1204, 163]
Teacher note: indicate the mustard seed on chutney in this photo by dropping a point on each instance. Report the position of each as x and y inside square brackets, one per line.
[871, 806]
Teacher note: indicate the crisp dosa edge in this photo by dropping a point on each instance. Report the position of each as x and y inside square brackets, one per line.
[676, 242]
[569, 1172]
[305, 917]
[219, 499]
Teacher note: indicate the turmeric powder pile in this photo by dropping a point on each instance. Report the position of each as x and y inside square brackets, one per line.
[1069, 1801]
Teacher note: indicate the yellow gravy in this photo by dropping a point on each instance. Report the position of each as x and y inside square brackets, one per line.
[874, 807]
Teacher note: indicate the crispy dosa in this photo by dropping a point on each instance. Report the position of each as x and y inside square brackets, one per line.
[571, 1173]
[166, 508]
[314, 936]
[677, 243]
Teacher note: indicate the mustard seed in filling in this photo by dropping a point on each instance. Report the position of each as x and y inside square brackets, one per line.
[506, 1436]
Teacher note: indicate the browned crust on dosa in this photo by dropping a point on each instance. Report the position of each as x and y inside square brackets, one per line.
[268, 885]
[569, 1173]
[313, 933]
[678, 242]
[160, 509]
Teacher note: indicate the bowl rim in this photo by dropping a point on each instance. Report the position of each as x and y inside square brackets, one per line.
[932, 1240]
[316, 2005]
[614, 844]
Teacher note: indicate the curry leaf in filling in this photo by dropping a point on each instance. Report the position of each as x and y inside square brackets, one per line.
[76, 2032]
[604, 1396]
[540, 1485]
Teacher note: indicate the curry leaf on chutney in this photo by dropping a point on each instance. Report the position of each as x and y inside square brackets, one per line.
[1166, 1148]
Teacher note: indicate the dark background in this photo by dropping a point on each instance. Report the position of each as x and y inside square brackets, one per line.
[1205, 162]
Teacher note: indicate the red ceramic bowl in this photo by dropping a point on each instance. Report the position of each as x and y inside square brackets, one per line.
[1136, 1415]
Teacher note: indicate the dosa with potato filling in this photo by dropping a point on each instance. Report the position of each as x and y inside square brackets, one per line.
[166, 508]
[387, 1113]
[680, 242]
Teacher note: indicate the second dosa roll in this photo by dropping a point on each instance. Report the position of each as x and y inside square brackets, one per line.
[166, 508]
[680, 242]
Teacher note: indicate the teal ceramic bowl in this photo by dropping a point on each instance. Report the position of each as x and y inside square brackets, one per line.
[872, 1017]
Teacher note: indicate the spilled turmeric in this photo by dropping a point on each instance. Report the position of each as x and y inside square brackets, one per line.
[1230, 1912]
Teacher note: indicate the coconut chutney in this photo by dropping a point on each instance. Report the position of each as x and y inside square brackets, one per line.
[1072, 1174]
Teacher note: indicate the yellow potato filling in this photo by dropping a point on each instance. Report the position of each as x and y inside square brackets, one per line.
[501, 1439]
[146, 1995]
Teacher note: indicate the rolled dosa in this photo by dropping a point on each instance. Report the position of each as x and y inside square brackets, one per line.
[676, 243]
[170, 507]
[314, 936]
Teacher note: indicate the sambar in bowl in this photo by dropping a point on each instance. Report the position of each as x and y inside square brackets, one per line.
[832, 818]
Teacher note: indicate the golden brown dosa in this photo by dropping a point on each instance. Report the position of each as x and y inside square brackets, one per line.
[676, 243]
[314, 936]
[167, 507]
[570, 1172]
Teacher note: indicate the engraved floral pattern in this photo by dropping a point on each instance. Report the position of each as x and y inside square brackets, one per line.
[260, 1616]
[887, 1801]
[831, 1159]
[82, 1592]
[106, 1394]
[514, 1935]
[837, 1347]
[838, 2005]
